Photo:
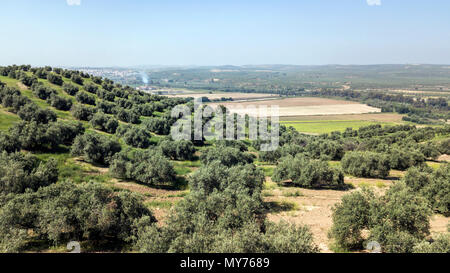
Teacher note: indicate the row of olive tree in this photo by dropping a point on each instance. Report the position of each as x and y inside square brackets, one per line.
[148, 167]
[97, 214]
[399, 221]
[308, 173]
[223, 213]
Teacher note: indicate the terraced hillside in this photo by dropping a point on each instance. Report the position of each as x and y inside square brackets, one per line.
[85, 159]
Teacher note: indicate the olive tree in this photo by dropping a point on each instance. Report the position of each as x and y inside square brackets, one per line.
[95, 148]
[308, 173]
[366, 164]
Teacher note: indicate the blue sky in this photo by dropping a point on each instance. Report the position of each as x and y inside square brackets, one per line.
[216, 32]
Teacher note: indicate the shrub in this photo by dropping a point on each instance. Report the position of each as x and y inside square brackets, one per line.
[437, 191]
[217, 176]
[95, 148]
[106, 107]
[55, 79]
[366, 164]
[91, 88]
[85, 98]
[28, 80]
[8, 143]
[325, 149]
[147, 167]
[41, 91]
[271, 156]
[397, 221]
[418, 177]
[33, 136]
[444, 147]
[158, 126]
[440, 245]
[96, 213]
[137, 137]
[31, 112]
[60, 103]
[19, 172]
[177, 150]
[70, 89]
[401, 159]
[12, 98]
[350, 218]
[308, 173]
[104, 123]
[223, 216]
[128, 116]
[76, 79]
[82, 112]
[226, 155]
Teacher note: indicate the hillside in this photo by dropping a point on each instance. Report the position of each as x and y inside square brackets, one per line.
[86, 159]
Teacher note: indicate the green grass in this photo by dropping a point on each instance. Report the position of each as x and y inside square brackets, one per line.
[270, 185]
[267, 194]
[181, 194]
[328, 126]
[336, 164]
[7, 120]
[434, 165]
[80, 174]
[180, 170]
[160, 204]
[189, 164]
[281, 206]
[268, 170]
[9, 82]
[296, 193]
[73, 171]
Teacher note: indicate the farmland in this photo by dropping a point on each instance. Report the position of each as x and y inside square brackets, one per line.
[300, 106]
[328, 126]
[113, 150]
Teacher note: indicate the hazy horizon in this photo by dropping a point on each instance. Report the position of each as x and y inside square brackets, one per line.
[250, 65]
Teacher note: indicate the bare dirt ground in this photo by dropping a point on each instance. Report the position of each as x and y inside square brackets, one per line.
[439, 224]
[314, 207]
[444, 158]
[291, 204]
[160, 201]
[22, 86]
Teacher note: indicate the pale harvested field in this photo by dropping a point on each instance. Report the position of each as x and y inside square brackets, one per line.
[291, 102]
[299, 107]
